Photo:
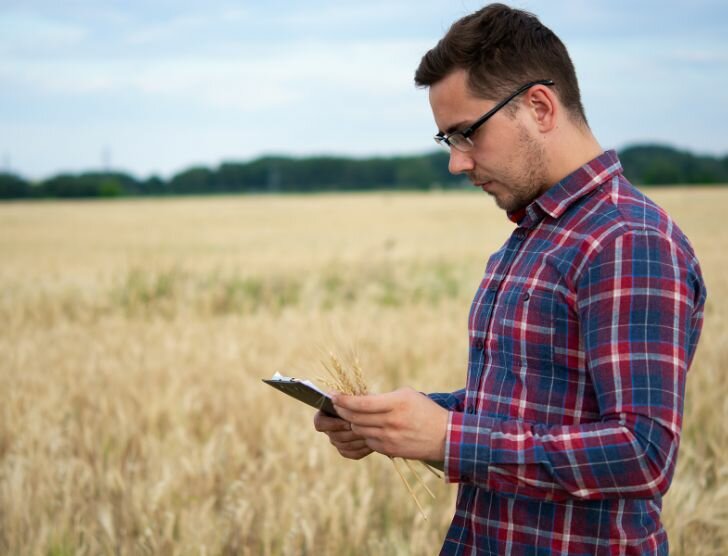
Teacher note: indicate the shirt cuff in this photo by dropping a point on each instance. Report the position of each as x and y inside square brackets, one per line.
[445, 400]
[467, 448]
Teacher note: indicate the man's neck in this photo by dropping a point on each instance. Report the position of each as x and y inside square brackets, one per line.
[575, 148]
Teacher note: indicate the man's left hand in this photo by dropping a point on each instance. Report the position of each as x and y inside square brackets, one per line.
[403, 423]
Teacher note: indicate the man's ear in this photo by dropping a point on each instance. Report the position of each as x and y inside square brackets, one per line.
[543, 107]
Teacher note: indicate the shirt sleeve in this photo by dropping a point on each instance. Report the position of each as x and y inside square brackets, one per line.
[452, 401]
[640, 307]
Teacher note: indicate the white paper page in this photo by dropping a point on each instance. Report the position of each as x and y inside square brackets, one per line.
[284, 378]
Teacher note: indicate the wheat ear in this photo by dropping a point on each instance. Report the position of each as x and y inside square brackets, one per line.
[354, 384]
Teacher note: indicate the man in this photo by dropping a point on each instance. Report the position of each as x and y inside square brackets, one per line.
[565, 437]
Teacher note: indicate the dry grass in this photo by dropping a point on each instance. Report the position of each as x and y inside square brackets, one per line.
[134, 335]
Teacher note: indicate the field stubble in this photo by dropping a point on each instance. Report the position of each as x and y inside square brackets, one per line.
[135, 333]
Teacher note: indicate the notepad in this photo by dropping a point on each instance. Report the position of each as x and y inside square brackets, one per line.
[303, 390]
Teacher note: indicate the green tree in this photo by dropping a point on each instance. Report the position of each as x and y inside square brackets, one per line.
[13, 187]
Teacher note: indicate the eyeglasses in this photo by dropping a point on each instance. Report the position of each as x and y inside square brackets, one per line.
[461, 139]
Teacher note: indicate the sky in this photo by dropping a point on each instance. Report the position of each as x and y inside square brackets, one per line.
[153, 87]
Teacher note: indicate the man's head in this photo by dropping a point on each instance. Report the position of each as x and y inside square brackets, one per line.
[502, 48]
[505, 98]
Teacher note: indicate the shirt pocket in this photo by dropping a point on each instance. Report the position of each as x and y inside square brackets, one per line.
[525, 326]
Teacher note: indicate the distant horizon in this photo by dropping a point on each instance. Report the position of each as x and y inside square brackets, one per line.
[156, 88]
[244, 160]
[293, 156]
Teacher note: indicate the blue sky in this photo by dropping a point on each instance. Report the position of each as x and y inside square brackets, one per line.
[154, 87]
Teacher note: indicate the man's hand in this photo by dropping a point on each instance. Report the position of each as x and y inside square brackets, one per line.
[403, 423]
[349, 444]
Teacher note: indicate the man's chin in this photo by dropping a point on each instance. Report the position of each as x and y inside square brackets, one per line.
[504, 203]
[489, 188]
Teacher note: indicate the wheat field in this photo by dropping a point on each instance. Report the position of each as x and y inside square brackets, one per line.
[134, 334]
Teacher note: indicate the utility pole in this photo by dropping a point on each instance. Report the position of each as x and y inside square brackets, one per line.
[106, 159]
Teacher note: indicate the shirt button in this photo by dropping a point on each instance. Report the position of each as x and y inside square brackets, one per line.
[478, 344]
[471, 409]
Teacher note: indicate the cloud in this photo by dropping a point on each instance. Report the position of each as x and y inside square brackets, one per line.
[22, 34]
[189, 26]
[244, 81]
[699, 56]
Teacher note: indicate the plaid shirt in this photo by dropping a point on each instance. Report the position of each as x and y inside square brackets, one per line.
[581, 333]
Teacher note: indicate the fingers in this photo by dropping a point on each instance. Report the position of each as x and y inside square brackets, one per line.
[349, 444]
[362, 419]
[372, 403]
[325, 423]
[356, 454]
[361, 431]
[344, 431]
[344, 436]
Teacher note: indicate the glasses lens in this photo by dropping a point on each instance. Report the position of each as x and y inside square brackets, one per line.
[441, 142]
[460, 142]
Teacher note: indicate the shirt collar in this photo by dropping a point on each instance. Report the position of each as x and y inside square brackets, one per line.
[557, 198]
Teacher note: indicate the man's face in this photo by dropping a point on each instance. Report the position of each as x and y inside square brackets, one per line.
[507, 161]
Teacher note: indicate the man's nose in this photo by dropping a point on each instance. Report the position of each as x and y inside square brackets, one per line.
[460, 162]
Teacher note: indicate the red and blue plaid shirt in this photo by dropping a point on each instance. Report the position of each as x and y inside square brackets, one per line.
[565, 438]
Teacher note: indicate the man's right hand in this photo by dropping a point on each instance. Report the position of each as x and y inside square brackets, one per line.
[349, 444]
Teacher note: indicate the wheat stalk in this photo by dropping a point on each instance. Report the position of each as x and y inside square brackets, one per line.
[353, 384]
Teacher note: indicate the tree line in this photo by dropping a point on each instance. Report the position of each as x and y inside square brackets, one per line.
[643, 165]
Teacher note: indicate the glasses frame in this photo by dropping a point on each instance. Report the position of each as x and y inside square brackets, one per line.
[445, 139]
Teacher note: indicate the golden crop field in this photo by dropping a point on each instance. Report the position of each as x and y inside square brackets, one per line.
[134, 334]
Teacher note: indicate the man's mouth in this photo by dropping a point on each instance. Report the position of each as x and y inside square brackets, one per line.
[486, 186]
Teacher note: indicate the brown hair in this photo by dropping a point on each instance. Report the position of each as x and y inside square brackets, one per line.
[502, 48]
